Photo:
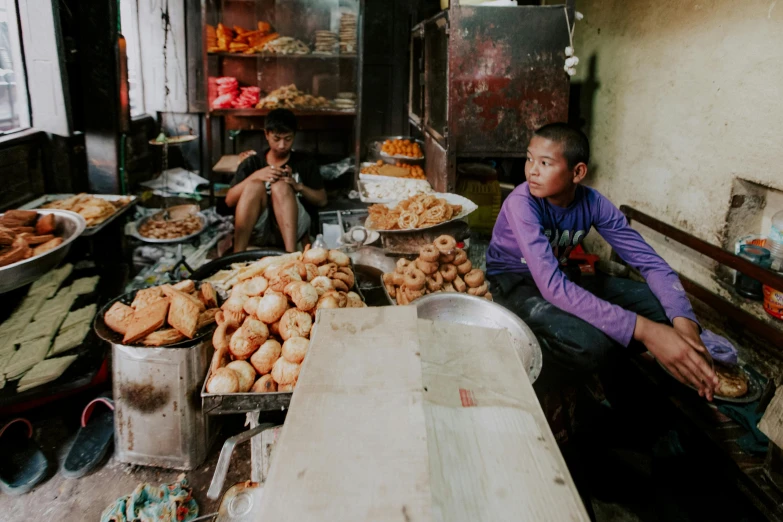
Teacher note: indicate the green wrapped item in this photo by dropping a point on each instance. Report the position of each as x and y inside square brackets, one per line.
[754, 442]
[167, 503]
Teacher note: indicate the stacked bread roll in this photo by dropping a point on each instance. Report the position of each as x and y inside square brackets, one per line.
[348, 33]
[440, 267]
[264, 326]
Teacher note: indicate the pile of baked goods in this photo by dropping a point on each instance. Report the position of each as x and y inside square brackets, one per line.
[406, 148]
[285, 45]
[403, 170]
[25, 234]
[94, 210]
[43, 327]
[289, 97]
[345, 101]
[733, 381]
[348, 33]
[164, 315]
[440, 267]
[419, 211]
[238, 39]
[264, 326]
[171, 229]
[325, 42]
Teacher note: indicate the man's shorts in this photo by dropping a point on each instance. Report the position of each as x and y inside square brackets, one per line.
[264, 233]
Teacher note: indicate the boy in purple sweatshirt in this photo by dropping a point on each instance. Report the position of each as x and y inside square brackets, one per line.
[579, 326]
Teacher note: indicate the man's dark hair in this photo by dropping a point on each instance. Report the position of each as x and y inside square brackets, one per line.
[576, 147]
[280, 121]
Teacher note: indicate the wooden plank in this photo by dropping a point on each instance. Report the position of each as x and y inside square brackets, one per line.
[492, 455]
[353, 447]
[771, 423]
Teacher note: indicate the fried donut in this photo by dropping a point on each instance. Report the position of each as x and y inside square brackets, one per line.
[401, 299]
[434, 282]
[295, 349]
[264, 384]
[459, 284]
[339, 258]
[274, 328]
[402, 264]
[328, 269]
[447, 258]
[266, 355]
[460, 256]
[474, 278]
[304, 295]
[391, 290]
[245, 373]
[415, 279]
[341, 297]
[429, 253]
[223, 380]
[408, 220]
[283, 277]
[339, 284]
[388, 279]
[252, 334]
[251, 305]
[345, 275]
[236, 302]
[448, 287]
[234, 319]
[255, 286]
[479, 290]
[316, 256]
[285, 372]
[445, 244]
[312, 272]
[220, 342]
[354, 301]
[448, 271]
[412, 295]
[271, 307]
[398, 279]
[322, 284]
[327, 301]
[425, 266]
[286, 387]
[295, 323]
[465, 267]
[487, 296]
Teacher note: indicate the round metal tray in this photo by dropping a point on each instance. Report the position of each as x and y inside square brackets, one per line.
[114, 338]
[172, 141]
[468, 207]
[68, 225]
[476, 311]
[182, 239]
[755, 387]
[374, 148]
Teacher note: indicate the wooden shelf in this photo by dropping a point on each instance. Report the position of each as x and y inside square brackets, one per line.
[264, 112]
[288, 56]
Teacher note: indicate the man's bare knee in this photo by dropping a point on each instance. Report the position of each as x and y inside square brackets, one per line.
[281, 190]
[255, 192]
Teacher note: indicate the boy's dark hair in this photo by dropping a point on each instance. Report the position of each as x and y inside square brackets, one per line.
[576, 146]
[280, 121]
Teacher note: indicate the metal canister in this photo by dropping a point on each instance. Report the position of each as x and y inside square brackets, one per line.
[158, 419]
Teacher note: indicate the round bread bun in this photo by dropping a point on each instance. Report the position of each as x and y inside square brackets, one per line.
[224, 380]
[286, 387]
[264, 358]
[285, 372]
[264, 384]
[295, 349]
[245, 373]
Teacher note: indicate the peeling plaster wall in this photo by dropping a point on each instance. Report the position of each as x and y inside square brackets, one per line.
[680, 97]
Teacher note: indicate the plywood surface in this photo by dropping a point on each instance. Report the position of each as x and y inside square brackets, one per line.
[353, 447]
[492, 455]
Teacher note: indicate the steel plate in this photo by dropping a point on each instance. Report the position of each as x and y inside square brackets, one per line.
[454, 199]
[476, 311]
[69, 226]
[182, 239]
[755, 387]
[374, 148]
[89, 231]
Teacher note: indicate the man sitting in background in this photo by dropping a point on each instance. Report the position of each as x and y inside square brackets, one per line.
[278, 178]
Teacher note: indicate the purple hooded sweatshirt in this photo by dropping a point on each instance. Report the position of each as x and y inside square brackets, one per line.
[533, 237]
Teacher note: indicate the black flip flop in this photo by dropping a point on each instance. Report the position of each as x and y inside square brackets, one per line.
[92, 440]
[22, 463]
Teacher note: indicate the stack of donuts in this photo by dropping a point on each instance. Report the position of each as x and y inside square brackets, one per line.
[440, 267]
[264, 326]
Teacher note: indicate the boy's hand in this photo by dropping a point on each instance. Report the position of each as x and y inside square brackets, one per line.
[294, 185]
[244, 155]
[268, 173]
[682, 354]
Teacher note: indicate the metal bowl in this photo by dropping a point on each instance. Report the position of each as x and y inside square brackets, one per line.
[135, 233]
[69, 226]
[476, 311]
[374, 149]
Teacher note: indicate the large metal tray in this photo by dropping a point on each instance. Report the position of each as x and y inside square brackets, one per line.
[135, 232]
[69, 226]
[755, 387]
[374, 149]
[88, 231]
[476, 311]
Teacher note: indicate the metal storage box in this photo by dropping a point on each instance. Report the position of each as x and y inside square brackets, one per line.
[158, 419]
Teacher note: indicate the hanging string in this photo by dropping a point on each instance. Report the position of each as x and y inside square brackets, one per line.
[570, 29]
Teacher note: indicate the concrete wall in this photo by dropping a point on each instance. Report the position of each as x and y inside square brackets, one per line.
[681, 97]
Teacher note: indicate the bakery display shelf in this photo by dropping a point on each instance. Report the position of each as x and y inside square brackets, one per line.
[311, 56]
[298, 112]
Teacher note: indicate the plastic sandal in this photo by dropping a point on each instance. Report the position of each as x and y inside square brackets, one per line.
[92, 441]
[22, 463]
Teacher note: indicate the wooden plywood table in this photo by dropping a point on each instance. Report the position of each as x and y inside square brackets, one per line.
[401, 419]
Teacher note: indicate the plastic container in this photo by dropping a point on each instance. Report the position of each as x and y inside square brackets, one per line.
[775, 242]
[746, 285]
[773, 302]
[479, 183]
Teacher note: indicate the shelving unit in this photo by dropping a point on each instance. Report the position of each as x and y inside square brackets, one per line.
[316, 74]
